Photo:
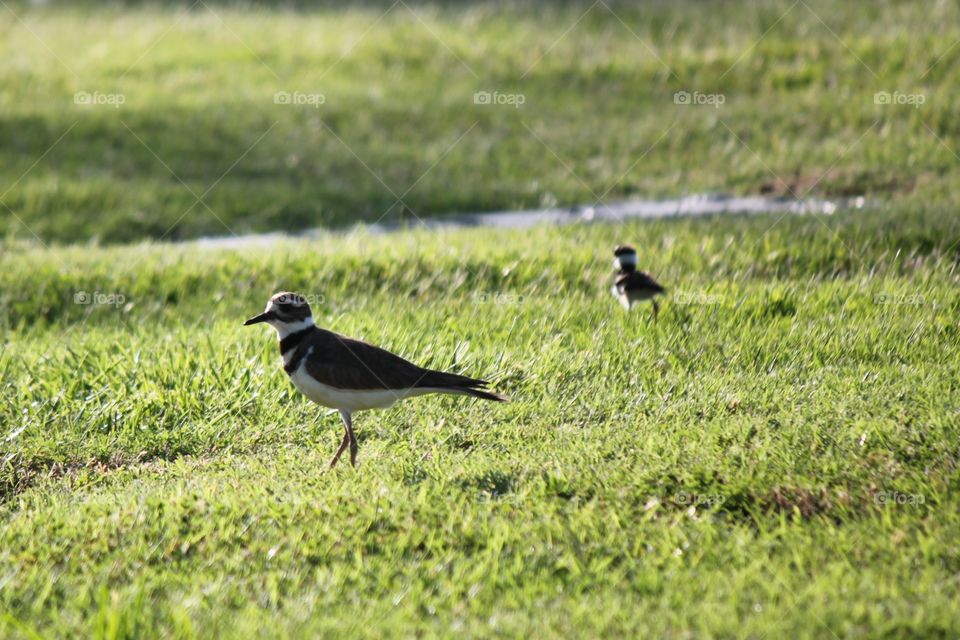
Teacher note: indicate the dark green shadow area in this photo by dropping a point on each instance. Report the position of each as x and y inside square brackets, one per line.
[586, 110]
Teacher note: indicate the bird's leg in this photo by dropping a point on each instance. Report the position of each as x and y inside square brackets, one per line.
[656, 310]
[343, 445]
[348, 425]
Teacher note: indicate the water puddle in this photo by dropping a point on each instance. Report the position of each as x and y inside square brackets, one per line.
[691, 206]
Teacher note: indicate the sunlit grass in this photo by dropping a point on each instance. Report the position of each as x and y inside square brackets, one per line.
[776, 457]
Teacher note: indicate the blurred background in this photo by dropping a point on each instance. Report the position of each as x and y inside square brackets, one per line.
[173, 120]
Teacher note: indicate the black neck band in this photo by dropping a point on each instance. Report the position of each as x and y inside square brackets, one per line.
[292, 340]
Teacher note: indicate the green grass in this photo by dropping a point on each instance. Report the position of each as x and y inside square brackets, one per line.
[399, 135]
[776, 457]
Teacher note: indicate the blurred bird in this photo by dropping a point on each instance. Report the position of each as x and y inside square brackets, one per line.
[632, 286]
[350, 375]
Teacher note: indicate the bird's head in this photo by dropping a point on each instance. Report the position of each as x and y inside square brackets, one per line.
[624, 257]
[286, 312]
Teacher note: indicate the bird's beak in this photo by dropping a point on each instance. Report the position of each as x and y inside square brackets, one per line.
[263, 317]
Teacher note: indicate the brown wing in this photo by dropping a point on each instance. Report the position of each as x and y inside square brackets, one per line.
[346, 363]
[638, 281]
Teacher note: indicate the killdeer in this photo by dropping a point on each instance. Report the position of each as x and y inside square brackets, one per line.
[350, 375]
[632, 286]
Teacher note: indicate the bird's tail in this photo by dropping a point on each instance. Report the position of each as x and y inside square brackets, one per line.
[443, 382]
[485, 395]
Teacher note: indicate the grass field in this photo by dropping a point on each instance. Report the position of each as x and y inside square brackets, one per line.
[399, 136]
[777, 457]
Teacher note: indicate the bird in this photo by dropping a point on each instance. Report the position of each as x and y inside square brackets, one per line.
[632, 286]
[351, 375]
